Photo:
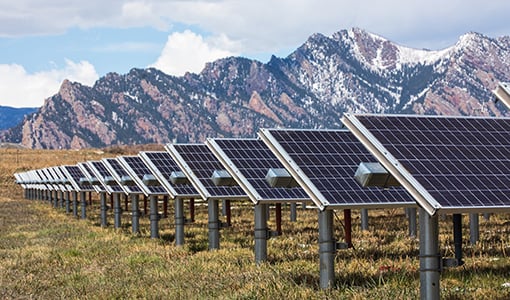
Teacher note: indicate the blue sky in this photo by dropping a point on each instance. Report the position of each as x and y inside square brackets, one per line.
[44, 42]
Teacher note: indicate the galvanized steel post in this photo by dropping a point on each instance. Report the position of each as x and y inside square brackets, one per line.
[117, 211]
[430, 259]
[474, 233]
[83, 199]
[327, 249]
[261, 232]
[154, 216]
[179, 221]
[135, 214]
[214, 224]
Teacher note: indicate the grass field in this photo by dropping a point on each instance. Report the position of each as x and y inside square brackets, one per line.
[47, 254]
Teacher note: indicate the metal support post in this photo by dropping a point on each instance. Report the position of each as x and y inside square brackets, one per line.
[75, 203]
[261, 233]
[348, 227]
[364, 219]
[327, 249]
[430, 265]
[179, 222]
[83, 200]
[104, 208]
[68, 202]
[214, 224]
[411, 212]
[457, 237]
[154, 216]
[135, 214]
[474, 228]
[192, 210]
[278, 213]
[117, 211]
[293, 213]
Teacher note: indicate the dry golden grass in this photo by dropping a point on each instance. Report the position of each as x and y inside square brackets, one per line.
[47, 254]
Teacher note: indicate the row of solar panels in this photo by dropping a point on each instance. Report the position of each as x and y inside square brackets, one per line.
[455, 164]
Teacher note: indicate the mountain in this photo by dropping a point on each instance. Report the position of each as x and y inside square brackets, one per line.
[349, 71]
[10, 116]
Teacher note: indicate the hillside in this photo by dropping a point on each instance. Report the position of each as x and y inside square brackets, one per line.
[351, 70]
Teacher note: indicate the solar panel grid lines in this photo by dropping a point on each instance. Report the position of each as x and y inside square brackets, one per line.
[456, 164]
[136, 168]
[74, 173]
[162, 165]
[248, 161]
[58, 179]
[198, 163]
[324, 163]
[44, 180]
[101, 172]
[89, 174]
[117, 171]
[61, 175]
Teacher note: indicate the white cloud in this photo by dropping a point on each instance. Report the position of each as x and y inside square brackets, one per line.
[188, 52]
[21, 89]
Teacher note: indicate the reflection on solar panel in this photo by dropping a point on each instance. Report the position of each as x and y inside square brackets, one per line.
[101, 172]
[58, 179]
[199, 163]
[449, 163]
[43, 180]
[118, 172]
[135, 166]
[249, 160]
[73, 173]
[324, 163]
[162, 165]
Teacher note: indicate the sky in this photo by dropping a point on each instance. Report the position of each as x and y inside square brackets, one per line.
[44, 42]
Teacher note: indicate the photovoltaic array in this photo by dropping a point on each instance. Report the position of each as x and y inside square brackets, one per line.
[135, 166]
[117, 171]
[162, 165]
[324, 163]
[456, 164]
[87, 172]
[101, 172]
[199, 163]
[73, 173]
[249, 160]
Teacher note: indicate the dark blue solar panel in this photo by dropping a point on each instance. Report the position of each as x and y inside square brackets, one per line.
[162, 163]
[252, 158]
[328, 160]
[118, 171]
[199, 163]
[462, 162]
[74, 174]
[102, 172]
[138, 169]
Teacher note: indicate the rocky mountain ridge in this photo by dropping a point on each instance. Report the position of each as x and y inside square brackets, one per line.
[350, 71]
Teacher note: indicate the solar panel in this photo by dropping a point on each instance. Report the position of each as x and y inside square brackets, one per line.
[162, 165]
[117, 171]
[58, 179]
[101, 172]
[249, 160]
[137, 169]
[199, 163]
[73, 173]
[324, 163]
[65, 181]
[44, 181]
[89, 174]
[456, 164]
